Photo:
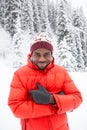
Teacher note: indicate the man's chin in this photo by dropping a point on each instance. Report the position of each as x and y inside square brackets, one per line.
[42, 67]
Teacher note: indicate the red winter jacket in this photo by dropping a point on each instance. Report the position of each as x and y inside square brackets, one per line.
[37, 116]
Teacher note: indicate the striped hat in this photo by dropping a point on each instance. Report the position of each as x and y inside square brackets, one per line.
[41, 41]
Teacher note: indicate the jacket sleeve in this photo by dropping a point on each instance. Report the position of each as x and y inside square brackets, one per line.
[21, 105]
[71, 98]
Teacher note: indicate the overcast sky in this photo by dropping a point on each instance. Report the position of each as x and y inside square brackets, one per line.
[80, 3]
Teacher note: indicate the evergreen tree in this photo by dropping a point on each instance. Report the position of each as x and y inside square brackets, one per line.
[65, 57]
[2, 10]
[42, 15]
[36, 21]
[71, 42]
[12, 8]
[83, 43]
[61, 21]
[45, 14]
[52, 15]
[78, 18]
[80, 61]
[27, 16]
[16, 45]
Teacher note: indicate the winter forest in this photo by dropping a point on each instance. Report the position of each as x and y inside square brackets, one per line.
[66, 26]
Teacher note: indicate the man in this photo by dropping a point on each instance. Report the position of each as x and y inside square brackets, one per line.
[41, 92]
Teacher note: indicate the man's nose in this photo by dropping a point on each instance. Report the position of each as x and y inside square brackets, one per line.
[42, 58]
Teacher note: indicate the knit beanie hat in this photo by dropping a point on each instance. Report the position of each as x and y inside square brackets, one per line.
[41, 41]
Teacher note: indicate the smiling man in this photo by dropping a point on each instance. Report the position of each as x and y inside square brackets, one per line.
[41, 57]
[41, 54]
[42, 92]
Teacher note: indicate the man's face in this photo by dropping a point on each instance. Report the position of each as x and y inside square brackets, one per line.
[41, 57]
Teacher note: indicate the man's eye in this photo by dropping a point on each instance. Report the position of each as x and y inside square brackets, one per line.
[37, 54]
[47, 55]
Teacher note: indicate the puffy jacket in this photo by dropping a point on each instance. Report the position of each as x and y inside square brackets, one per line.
[37, 116]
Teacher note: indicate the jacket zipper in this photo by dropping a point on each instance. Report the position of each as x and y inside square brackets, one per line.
[50, 124]
[25, 128]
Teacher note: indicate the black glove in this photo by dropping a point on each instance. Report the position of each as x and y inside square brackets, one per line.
[40, 96]
[61, 93]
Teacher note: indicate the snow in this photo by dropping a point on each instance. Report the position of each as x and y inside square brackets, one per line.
[7, 119]
[77, 119]
[80, 3]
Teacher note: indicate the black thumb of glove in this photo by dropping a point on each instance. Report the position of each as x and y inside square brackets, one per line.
[40, 96]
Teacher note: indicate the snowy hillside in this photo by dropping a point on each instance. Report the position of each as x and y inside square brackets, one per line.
[67, 24]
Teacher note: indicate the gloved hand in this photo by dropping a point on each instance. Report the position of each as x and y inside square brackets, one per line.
[61, 93]
[41, 95]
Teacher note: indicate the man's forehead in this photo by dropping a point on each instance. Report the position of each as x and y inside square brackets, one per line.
[42, 50]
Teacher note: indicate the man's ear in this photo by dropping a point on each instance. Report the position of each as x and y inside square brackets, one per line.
[52, 57]
[31, 58]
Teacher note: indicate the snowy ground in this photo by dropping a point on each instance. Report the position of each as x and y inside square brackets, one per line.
[77, 118]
